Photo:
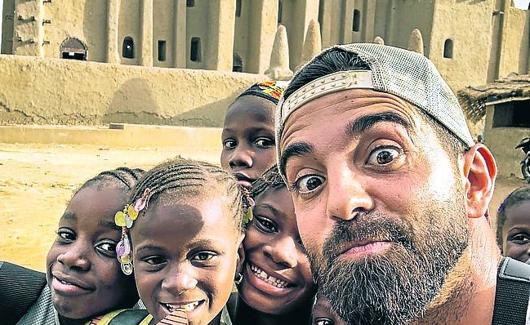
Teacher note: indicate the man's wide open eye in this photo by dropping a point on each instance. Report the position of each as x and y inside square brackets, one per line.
[383, 156]
[309, 183]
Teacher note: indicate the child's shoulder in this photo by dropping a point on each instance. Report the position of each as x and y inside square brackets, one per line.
[20, 288]
[123, 317]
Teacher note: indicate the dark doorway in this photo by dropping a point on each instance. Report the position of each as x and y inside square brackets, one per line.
[73, 49]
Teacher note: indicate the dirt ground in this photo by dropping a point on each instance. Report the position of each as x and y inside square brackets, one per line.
[36, 181]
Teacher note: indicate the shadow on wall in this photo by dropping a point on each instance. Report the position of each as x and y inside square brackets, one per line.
[94, 31]
[133, 102]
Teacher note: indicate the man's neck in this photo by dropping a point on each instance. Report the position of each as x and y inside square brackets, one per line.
[468, 294]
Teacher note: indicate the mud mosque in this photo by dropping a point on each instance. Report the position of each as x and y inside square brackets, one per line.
[138, 50]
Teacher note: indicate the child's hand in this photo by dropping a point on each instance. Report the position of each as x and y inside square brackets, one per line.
[176, 317]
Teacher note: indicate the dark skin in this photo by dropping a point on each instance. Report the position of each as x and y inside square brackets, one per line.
[184, 256]
[516, 232]
[323, 314]
[82, 270]
[248, 138]
[273, 248]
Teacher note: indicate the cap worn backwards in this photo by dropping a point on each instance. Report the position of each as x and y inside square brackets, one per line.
[403, 73]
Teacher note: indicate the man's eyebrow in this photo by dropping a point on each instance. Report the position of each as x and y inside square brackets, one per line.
[296, 149]
[358, 126]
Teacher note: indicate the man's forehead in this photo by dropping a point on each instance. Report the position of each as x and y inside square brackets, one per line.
[350, 103]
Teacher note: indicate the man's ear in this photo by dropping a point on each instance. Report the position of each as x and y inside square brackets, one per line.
[480, 171]
[240, 254]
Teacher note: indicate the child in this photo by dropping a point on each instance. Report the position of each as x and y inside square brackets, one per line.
[513, 225]
[185, 219]
[82, 273]
[323, 314]
[248, 132]
[277, 285]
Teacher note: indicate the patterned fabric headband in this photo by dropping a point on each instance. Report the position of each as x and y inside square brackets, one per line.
[269, 90]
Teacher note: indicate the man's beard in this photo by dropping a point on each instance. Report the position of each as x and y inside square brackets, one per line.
[394, 287]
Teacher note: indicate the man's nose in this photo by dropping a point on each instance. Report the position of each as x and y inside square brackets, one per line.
[347, 193]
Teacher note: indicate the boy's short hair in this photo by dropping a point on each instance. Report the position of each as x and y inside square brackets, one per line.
[518, 195]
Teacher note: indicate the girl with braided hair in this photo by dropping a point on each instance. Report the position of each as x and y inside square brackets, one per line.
[185, 224]
[82, 275]
[277, 285]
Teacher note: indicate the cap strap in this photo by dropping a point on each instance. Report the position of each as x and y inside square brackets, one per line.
[330, 83]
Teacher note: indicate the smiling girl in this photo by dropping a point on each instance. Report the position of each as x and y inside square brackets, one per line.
[513, 220]
[277, 286]
[84, 279]
[186, 227]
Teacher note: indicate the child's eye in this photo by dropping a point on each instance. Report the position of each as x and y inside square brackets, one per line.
[323, 321]
[265, 224]
[107, 248]
[65, 235]
[203, 256]
[521, 239]
[264, 142]
[229, 143]
[154, 260]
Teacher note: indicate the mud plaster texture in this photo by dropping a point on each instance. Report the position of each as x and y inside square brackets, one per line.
[53, 91]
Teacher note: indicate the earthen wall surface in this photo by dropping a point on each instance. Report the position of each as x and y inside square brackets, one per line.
[54, 91]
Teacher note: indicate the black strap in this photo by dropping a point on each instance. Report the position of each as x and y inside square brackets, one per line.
[19, 289]
[512, 293]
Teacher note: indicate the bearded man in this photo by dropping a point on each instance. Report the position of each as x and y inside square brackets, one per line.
[391, 193]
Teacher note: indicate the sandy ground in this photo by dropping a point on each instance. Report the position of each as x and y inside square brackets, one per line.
[36, 181]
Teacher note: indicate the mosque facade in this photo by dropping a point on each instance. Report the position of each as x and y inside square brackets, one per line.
[472, 42]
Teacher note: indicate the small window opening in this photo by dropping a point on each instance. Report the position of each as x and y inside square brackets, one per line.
[128, 48]
[356, 21]
[280, 11]
[448, 48]
[512, 114]
[190, 3]
[195, 50]
[73, 49]
[238, 63]
[238, 8]
[161, 51]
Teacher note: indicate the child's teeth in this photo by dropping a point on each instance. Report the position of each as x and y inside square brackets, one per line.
[268, 278]
[186, 307]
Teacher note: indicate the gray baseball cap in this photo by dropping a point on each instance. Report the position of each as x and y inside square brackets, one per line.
[406, 74]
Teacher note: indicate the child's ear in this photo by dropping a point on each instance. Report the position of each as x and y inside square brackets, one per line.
[479, 171]
[240, 254]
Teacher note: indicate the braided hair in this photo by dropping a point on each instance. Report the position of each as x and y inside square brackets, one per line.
[181, 176]
[517, 196]
[122, 177]
[271, 178]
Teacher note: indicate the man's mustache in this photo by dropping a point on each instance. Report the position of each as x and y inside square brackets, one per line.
[367, 227]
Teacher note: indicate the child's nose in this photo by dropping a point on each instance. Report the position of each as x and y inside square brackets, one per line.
[75, 258]
[179, 282]
[241, 157]
[283, 251]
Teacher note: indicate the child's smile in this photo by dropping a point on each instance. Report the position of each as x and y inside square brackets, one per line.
[184, 256]
[277, 277]
[83, 272]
